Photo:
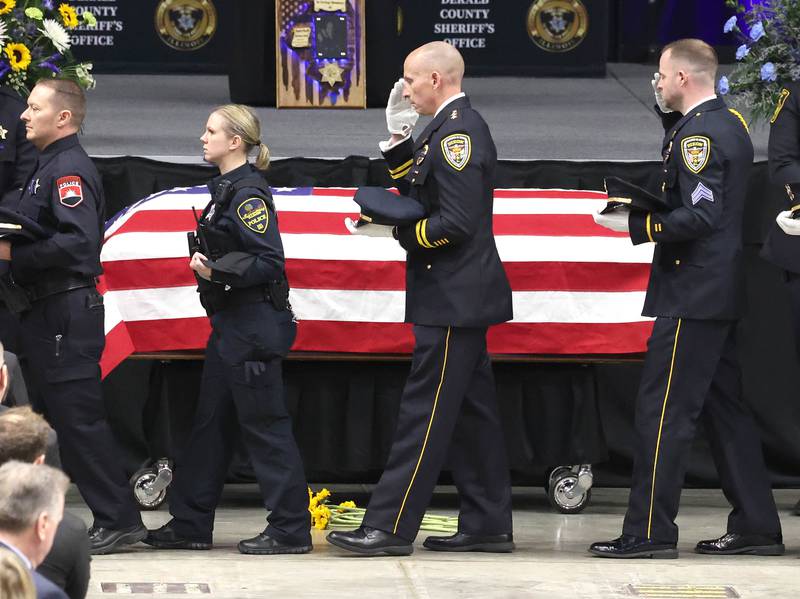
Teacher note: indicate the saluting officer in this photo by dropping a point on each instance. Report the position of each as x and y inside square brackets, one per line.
[242, 283]
[456, 287]
[784, 169]
[696, 293]
[63, 332]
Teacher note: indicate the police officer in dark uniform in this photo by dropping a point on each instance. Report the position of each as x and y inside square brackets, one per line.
[240, 269]
[696, 293]
[782, 248]
[456, 288]
[63, 331]
[17, 159]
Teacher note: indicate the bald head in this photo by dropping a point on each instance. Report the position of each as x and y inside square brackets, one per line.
[432, 73]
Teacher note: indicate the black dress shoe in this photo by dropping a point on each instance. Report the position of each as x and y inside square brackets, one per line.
[734, 543]
[263, 544]
[166, 538]
[106, 540]
[462, 541]
[370, 541]
[628, 546]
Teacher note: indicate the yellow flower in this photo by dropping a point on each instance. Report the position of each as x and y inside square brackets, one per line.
[323, 494]
[6, 6]
[68, 15]
[321, 523]
[346, 504]
[19, 57]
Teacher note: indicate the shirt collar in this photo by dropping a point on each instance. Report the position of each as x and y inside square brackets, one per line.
[19, 554]
[703, 101]
[446, 102]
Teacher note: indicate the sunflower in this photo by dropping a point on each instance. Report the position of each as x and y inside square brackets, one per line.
[6, 6]
[19, 57]
[68, 15]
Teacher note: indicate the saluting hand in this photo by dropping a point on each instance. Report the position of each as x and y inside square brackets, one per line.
[198, 265]
[400, 115]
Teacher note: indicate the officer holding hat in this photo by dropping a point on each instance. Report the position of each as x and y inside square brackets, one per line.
[63, 331]
[696, 293]
[456, 288]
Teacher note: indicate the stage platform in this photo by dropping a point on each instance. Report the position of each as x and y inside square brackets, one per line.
[162, 117]
[550, 562]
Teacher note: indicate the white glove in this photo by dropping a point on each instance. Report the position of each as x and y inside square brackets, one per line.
[790, 226]
[400, 115]
[662, 106]
[616, 220]
[368, 229]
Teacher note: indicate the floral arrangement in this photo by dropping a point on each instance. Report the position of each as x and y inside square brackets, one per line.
[769, 54]
[347, 515]
[35, 43]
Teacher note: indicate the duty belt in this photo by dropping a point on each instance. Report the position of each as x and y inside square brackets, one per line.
[54, 285]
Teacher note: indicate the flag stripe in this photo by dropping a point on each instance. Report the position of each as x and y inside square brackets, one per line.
[364, 274]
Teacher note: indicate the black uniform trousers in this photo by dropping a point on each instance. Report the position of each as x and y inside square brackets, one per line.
[63, 339]
[691, 371]
[448, 413]
[246, 396]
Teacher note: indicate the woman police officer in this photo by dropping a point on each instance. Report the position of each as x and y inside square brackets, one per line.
[239, 266]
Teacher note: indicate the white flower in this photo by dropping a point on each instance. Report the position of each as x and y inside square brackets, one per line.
[3, 34]
[57, 34]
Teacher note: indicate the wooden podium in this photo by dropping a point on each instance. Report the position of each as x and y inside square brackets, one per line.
[320, 54]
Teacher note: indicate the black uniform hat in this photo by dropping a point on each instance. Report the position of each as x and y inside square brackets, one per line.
[382, 207]
[18, 227]
[621, 193]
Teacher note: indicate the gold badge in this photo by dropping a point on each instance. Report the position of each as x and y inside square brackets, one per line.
[331, 73]
[781, 101]
[254, 214]
[696, 150]
[424, 153]
[457, 149]
[557, 25]
[186, 24]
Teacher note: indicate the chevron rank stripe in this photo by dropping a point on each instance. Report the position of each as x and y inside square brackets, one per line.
[701, 192]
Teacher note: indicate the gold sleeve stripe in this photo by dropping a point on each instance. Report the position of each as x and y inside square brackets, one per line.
[400, 175]
[661, 427]
[647, 226]
[423, 230]
[795, 208]
[739, 116]
[404, 166]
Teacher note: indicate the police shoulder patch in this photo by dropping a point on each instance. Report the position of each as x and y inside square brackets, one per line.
[696, 151]
[457, 150]
[70, 190]
[785, 93]
[254, 214]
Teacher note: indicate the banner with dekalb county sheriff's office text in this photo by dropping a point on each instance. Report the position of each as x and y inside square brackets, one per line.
[154, 35]
[514, 37]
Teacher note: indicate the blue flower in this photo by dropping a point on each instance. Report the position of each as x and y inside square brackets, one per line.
[729, 25]
[769, 72]
[724, 86]
[48, 4]
[757, 32]
[742, 51]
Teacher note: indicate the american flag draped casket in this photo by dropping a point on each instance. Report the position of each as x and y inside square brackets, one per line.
[577, 288]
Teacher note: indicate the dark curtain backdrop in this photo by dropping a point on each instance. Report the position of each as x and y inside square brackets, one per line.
[554, 413]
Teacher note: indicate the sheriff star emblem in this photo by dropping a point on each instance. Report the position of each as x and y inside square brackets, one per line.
[696, 150]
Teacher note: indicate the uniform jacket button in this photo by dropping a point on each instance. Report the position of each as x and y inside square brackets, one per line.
[428, 267]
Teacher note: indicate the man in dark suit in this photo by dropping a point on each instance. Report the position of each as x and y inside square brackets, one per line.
[31, 507]
[25, 437]
[456, 288]
[696, 293]
[782, 248]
